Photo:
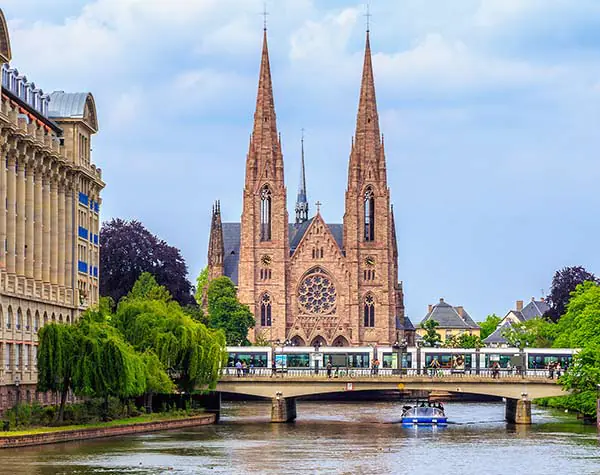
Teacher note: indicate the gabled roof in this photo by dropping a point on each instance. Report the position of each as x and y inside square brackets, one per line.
[231, 243]
[450, 317]
[496, 336]
[407, 324]
[535, 308]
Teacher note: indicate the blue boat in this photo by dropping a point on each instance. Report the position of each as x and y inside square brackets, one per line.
[424, 414]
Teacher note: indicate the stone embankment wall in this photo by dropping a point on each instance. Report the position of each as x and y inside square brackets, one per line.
[95, 433]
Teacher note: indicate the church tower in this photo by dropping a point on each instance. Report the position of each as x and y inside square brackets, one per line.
[216, 249]
[369, 237]
[264, 245]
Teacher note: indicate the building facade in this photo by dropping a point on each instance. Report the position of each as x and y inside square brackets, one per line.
[452, 321]
[520, 314]
[49, 218]
[310, 281]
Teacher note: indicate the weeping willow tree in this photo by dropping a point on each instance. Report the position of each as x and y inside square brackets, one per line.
[58, 352]
[191, 353]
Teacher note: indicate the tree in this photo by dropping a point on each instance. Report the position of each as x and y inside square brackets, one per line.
[57, 355]
[227, 313]
[191, 353]
[489, 325]
[579, 326]
[201, 286]
[535, 333]
[431, 336]
[128, 250]
[563, 283]
[463, 341]
[583, 378]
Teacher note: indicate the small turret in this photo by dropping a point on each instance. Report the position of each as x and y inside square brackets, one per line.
[216, 249]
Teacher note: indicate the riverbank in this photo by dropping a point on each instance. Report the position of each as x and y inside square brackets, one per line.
[136, 425]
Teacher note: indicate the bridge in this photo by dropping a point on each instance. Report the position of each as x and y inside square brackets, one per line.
[283, 389]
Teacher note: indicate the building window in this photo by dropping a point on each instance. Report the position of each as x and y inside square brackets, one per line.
[265, 214]
[265, 310]
[9, 318]
[369, 311]
[369, 215]
[369, 274]
[265, 274]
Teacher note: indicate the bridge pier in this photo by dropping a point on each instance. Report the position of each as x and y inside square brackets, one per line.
[518, 411]
[283, 409]
[212, 403]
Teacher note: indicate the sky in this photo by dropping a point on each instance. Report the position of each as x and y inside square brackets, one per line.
[490, 110]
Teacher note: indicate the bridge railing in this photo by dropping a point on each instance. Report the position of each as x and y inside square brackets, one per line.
[344, 372]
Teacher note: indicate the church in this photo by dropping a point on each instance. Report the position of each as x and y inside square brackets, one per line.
[310, 282]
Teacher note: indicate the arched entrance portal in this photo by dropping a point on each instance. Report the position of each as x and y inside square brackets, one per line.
[318, 341]
[298, 341]
[340, 341]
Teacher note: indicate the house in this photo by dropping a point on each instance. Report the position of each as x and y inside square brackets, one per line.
[452, 321]
[534, 309]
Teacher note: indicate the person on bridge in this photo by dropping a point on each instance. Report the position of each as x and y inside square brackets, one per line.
[238, 368]
[434, 366]
[329, 368]
[495, 370]
[273, 369]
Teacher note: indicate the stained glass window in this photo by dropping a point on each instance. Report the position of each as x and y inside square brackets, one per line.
[317, 294]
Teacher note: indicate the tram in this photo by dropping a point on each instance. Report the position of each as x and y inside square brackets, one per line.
[304, 359]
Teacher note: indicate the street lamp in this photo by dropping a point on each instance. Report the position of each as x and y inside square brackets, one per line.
[317, 346]
[17, 384]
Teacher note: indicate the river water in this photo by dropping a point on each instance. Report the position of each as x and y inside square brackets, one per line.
[332, 438]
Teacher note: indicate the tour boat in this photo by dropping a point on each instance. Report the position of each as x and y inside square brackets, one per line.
[424, 414]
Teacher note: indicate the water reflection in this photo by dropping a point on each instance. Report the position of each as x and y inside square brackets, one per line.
[332, 437]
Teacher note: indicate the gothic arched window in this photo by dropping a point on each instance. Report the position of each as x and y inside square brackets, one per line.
[369, 214]
[265, 310]
[265, 214]
[369, 311]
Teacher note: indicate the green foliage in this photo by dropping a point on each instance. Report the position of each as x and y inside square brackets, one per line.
[431, 336]
[261, 339]
[580, 325]
[201, 286]
[146, 287]
[463, 341]
[534, 333]
[191, 353]
[227, 313]
[489, 325]
[196, 312]
[58, 345]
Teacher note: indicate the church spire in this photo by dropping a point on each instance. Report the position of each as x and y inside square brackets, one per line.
[367, 147]
[265, 159]
[216, 248]
[301, 200]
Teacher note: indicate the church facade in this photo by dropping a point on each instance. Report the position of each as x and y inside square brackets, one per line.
[312, 282]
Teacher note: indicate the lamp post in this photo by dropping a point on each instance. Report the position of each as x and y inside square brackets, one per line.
[403, 347]
[316, 359]
[17, 385]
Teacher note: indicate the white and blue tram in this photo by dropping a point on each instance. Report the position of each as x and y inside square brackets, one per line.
[413, 360]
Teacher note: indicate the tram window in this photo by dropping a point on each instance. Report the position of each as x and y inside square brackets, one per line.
[298, 360]
[336, 359]
[502, 360]
[389, 360]
[258, 360]
[359, 360]
[541, 361]
[448, 360]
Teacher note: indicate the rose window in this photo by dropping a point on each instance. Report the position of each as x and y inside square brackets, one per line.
[317, 293]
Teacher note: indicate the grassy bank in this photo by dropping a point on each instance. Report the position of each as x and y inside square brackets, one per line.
[174, 415]
[584, 403]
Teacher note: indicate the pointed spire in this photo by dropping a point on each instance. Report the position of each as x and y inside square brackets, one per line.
[302, 201]
[216, 248]
[367, 122]
[367, 146]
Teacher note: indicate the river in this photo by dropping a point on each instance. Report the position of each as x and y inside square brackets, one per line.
[332, 438]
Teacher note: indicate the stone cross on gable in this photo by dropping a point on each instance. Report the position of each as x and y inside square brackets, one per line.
[318, 205]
